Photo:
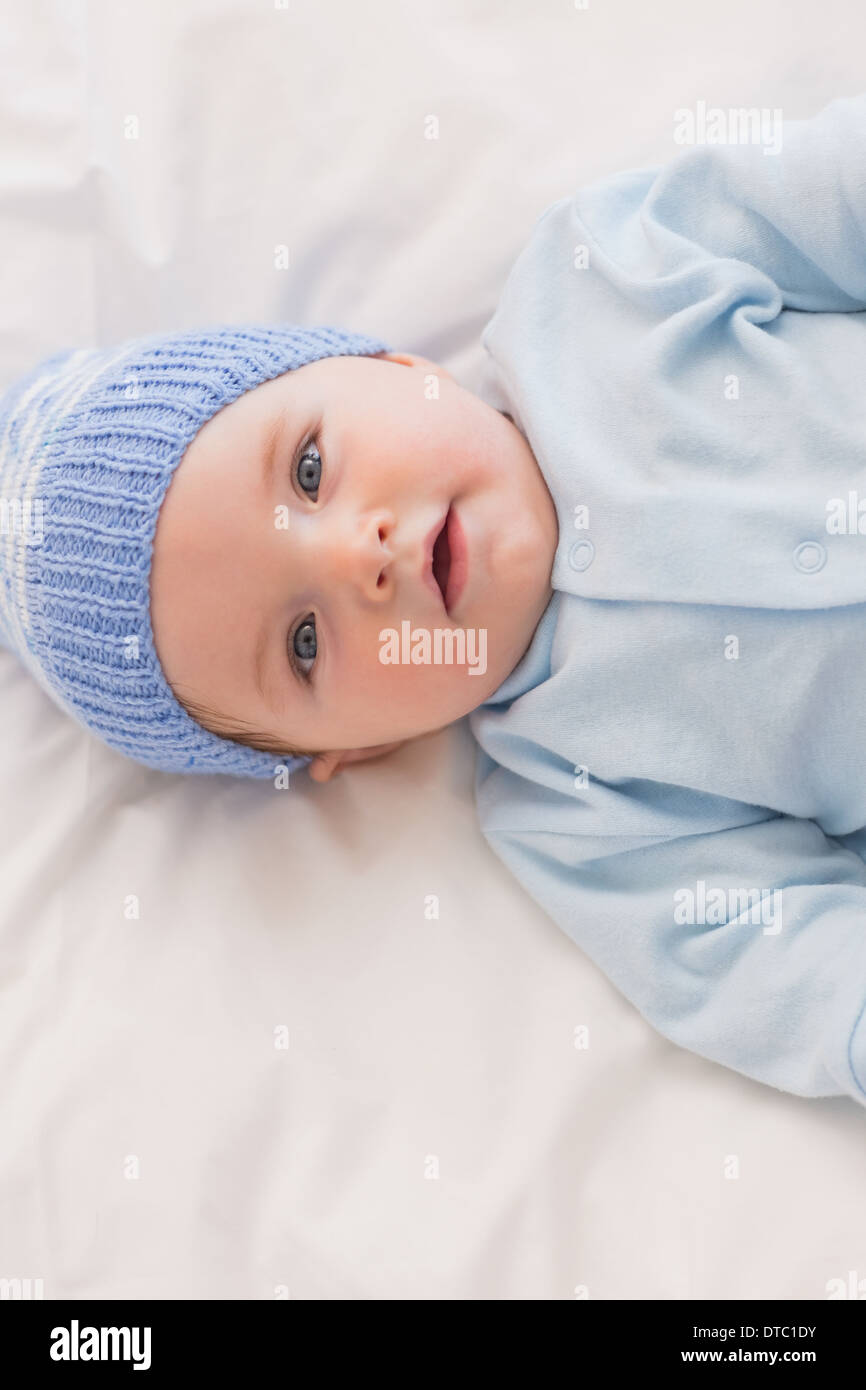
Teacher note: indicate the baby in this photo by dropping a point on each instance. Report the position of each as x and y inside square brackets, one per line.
[652, 518]
[309, 519]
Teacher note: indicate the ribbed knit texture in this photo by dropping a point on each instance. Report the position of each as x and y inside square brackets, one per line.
[89, 441]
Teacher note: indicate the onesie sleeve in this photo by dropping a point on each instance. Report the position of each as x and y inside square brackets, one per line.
[796, 213]
[745, 945]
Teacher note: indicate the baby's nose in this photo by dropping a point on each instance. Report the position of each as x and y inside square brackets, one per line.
[361, 554]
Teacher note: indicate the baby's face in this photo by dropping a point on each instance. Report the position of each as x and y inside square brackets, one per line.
[293, 534]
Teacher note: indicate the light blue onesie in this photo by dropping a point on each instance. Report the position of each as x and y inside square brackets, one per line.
[676, 770]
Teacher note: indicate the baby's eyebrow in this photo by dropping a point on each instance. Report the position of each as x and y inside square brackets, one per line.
[270, 439]
[258, 657]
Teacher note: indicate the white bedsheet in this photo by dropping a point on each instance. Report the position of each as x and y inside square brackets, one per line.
[430, 1130]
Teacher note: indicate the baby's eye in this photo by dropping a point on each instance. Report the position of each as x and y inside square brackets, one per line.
[304, 644]
[309, 469]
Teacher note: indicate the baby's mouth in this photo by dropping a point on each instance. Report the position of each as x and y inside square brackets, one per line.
[442, 557]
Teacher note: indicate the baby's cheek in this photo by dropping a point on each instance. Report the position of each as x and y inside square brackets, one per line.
[414, 667]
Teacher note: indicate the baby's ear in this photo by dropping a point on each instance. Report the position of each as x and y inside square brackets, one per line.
[326, 765]
[412, 359]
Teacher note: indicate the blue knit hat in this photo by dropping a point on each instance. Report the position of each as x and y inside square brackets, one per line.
[89, 441]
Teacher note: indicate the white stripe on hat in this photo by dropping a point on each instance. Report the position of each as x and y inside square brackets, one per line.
[80, 372]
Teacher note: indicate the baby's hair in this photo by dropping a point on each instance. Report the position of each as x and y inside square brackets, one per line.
[239, 731]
